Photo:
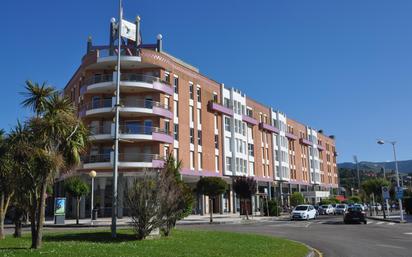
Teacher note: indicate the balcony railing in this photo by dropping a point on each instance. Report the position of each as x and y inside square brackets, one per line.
[99, 78]
[125, 51]
[95, 158]
[137, 77]
[141, 130]
[99, 130]
[138, 103]
[138, 157]
[143, 103]
[123, 157]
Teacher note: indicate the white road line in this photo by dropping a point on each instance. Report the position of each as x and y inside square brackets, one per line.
[390, 246]
[379, 223]
[391, 223]
[408, 233]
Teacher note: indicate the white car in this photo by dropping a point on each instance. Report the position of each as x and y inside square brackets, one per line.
[361, 206]
[328, 209]
[303, 212]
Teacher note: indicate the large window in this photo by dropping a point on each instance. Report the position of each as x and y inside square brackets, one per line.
[227, 124]
[192, 160]
[199, 137]
[229, 163]
[192, 135]
[176, 85]
[191, 95]
[217, 141]
[176, 131]
[200, 160]
[199, 94]
[251, 149]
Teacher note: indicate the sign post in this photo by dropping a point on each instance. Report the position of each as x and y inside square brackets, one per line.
[59, 210]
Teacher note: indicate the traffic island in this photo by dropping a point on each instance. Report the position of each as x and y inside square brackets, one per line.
[180, 243]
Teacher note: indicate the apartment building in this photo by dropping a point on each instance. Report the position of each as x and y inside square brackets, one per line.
[168, 106]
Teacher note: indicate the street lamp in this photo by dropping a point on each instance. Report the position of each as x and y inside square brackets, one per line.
[92, 174]
[393, 143]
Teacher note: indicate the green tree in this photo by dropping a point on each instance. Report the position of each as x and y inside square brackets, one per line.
[76, 188]
[7, 178]
[212, 187]
[49, 142]
[245, 188]
[176, 198]
[354, 199]
[374, 186]
[296, 198]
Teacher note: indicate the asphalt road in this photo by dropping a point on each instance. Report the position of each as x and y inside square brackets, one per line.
[333, 238]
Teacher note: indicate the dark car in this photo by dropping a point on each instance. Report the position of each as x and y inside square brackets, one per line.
[354, 214]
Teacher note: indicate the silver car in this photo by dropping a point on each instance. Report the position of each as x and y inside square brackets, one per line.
[341, 208]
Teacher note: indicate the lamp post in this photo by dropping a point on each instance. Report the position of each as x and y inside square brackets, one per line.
[92, 174]
[393, 143]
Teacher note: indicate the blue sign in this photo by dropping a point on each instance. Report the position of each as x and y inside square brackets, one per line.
[399, 192]
[385, 193]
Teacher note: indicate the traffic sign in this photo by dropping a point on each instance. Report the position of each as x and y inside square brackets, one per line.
[385, 193]
[399, 192]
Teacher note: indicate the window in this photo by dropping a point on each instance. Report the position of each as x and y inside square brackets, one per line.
[176, 109]
[251, 149]
[227, 124]
[199, 95]
[176, 131]
[191, 91]
[176, 85]
[192, 160]
[192, 135]
[249, 112]
[252, 168]
[199, 137]
[217, 141]
[191, 114]
[215, 121]
[199, 116]
[167, 77]
[200, 161]
[215, 98]
[217, 163]
[167, 126]
[228, 144]
[229, 163]
[227, 102]
[176, 154]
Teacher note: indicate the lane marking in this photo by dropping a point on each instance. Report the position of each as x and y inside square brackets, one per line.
[390, 246]
[408, 233]
[391, 223]
[379, 223]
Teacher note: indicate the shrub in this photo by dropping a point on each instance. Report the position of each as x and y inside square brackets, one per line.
[274, 209]
[76, 188]
[245, 188]
[354, 199]
[296, 198]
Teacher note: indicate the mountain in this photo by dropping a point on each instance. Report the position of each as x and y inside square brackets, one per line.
[404, 166]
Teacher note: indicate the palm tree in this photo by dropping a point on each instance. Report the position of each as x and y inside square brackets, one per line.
[6, 180]
[36, 96]
[58, 138]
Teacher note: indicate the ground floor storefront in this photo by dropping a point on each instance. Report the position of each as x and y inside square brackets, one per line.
[224, 204]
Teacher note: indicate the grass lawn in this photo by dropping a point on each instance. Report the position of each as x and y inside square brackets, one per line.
[181, 243]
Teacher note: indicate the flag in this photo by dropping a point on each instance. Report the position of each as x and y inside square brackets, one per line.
[128, 30]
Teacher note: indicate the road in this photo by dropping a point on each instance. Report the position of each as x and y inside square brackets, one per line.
[333, 238]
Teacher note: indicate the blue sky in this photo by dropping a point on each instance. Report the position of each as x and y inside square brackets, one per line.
[340, 66]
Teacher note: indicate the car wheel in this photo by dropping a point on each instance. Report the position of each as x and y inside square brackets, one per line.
[365, 222]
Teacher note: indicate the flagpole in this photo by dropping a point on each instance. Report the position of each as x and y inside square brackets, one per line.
[116, 128]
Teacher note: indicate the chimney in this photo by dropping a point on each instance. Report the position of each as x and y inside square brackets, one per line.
[159, 44]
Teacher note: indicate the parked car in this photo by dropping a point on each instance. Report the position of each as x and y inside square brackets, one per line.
[360, 206]
[341, 208]
[327, 209]
[303, 212]
[354, 214]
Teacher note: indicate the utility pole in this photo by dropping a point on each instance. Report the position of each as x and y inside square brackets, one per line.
[116, 127]
[355, 158]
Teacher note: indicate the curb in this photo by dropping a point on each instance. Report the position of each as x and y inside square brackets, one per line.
[387, 220]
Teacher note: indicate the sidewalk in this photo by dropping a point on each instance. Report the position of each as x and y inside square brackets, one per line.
[392, 217]
[190, 220]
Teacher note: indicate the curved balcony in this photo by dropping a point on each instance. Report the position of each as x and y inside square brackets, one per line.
[126, 160]
[134, 108]
[129, 83]
[132, 133]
